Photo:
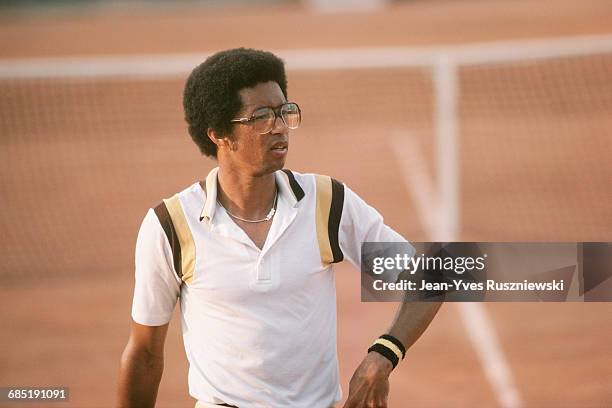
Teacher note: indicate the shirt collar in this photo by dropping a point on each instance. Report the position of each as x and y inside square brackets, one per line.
[288, 188]
[210, 203]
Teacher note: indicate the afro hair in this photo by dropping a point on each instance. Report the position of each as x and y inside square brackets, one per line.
[211, 97]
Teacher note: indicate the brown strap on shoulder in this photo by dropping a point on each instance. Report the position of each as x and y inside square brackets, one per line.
[166, 222]
[328, 213]
[172, 218]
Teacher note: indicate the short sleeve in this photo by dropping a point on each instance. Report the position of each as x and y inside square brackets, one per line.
[157, 287]
[361, 223]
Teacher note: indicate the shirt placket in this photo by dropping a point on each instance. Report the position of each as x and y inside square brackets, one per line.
[285, 215]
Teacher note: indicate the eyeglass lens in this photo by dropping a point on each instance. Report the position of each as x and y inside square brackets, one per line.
[263, 119]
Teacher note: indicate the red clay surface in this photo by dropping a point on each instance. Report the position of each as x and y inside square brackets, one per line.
[81, 161]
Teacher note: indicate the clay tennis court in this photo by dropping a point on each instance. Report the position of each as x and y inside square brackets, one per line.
[83, 159]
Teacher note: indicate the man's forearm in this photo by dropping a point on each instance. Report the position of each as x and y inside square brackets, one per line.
[411, 320]
[139, 377]
[369, 385]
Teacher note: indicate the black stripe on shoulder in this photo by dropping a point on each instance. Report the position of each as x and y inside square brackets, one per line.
[335, 214]
[295, 186]
[166, 222]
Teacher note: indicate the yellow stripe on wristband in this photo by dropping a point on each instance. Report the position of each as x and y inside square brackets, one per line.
[392, 347]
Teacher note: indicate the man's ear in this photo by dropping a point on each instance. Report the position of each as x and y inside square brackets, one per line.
[220, 141]
[214, 137]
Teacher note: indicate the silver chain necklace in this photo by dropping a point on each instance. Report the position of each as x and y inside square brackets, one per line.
[266, 218]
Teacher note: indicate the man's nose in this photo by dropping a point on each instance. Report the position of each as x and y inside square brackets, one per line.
[279, 125]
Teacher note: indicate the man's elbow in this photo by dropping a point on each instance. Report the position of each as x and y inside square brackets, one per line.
[142, 356]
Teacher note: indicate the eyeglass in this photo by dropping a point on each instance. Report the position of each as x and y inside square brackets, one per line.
[263, 119]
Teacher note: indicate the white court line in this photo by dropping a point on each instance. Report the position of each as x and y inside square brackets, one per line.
[420, 185]
[484, 339]
[431, 208]
[179, 65]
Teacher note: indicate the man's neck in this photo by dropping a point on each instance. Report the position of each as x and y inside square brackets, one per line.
[247, 196]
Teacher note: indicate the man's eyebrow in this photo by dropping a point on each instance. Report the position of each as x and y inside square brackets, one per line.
[265, 106]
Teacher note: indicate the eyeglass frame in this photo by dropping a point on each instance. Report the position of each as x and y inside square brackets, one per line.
[277, 114]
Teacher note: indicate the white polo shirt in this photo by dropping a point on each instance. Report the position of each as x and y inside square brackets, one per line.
[259, 326]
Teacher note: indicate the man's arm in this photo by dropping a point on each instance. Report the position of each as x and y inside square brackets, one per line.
[361, 223]
[142, 364]
[369, 386]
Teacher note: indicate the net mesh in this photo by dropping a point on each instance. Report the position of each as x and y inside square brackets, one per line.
[535, 147]
[82, 159]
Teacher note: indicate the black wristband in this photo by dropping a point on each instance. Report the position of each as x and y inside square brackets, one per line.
[396, 342]
[385, 352]
[389, 347]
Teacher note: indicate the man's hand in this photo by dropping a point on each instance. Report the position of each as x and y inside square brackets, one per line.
[369, 386]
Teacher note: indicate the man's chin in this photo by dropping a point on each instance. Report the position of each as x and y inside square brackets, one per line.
[271, 167]
[278, 163]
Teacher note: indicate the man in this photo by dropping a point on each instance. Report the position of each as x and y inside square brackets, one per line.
[249, 253]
